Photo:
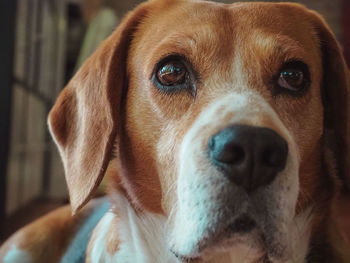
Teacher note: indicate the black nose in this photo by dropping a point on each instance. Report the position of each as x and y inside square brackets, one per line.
[249, 156]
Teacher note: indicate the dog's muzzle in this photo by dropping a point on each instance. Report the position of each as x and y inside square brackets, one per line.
[237, 183]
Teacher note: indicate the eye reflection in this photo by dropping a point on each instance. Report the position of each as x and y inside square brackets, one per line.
[172, 73]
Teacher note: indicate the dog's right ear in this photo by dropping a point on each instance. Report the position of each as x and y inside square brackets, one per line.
[84, 119]
[336, 98]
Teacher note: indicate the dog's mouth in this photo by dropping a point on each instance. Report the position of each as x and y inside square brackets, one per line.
[186, 258]
[234, 223]
[242, 230]
[243, 224]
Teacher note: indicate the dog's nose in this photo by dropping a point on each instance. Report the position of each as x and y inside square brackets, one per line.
[249, 156]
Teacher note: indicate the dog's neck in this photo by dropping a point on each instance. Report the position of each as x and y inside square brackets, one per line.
[140, 238]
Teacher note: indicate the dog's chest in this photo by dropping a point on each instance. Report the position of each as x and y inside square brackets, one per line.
[140, 238]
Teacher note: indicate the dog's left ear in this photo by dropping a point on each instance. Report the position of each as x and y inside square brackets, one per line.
[336, 93]
[83, 121]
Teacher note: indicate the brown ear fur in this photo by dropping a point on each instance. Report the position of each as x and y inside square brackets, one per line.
[84, 118]
[336, 93]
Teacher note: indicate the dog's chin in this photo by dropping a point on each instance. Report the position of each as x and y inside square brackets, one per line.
[242, 237]
[245, 245]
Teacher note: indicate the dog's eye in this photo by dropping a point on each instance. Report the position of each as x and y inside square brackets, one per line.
[172, 73]
[293, 77]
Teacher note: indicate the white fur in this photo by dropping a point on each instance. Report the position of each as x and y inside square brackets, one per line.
[142, 237]
[299, 236]
[143, 240]
[15, 255]
[99, 251]
[200, 184]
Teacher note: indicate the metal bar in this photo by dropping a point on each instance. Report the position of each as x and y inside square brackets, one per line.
[46, 172]
[38, 39]
[25, 100]
[30, 90]
[7, 44]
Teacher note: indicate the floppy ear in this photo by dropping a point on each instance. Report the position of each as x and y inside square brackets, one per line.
[84, 118]
[336, 93]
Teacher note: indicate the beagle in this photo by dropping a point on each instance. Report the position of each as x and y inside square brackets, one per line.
[224, 131]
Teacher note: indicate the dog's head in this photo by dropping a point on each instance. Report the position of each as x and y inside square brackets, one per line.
[217, 116]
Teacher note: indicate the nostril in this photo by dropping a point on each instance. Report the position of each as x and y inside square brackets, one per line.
[271, 158]
[232, 154]
[224, 150]
[275, 156]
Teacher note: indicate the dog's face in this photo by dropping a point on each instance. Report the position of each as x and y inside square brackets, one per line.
[223, 113]
[220, 126]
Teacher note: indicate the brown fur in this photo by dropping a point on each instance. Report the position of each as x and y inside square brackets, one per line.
[96, 112]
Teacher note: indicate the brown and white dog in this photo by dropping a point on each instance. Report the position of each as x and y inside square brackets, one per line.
[225, 130]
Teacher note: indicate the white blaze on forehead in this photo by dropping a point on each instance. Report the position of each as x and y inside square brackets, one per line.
[234, 103]
[15, 255]
[247, 107]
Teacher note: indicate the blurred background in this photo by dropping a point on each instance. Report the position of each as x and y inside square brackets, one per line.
[43, 43]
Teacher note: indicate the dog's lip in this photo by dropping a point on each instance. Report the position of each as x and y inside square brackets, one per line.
[243, 224]
[210, 244]
[184, 258]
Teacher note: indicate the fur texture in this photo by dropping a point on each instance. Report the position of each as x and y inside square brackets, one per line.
[169, 202]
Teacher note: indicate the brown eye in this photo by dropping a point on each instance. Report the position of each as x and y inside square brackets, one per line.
[294, 77]
[172, 73]
[291, 79]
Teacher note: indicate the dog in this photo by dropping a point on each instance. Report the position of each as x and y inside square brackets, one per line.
[223, 131]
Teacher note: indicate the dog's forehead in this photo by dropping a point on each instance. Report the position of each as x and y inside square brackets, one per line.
[227, 20]
[205, 31]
